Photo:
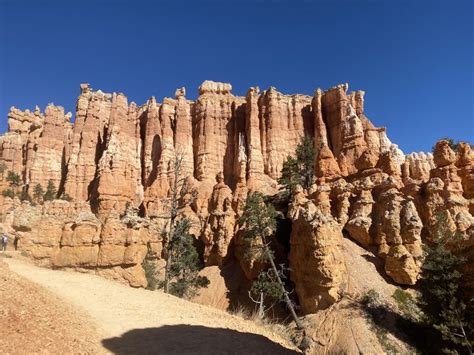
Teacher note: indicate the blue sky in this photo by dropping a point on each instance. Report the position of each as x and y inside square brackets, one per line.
[414, 59]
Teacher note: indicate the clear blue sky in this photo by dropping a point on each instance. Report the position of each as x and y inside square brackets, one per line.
[414, 59]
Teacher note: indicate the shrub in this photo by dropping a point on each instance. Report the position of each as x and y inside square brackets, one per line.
[408, 305]
[51, 191]
[14, 179]
[370, 299]
[8, 193]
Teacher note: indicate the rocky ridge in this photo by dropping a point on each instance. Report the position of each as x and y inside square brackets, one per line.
[115, 162]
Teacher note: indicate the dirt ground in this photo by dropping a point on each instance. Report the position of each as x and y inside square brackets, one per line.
[35, 320]
[50, 311]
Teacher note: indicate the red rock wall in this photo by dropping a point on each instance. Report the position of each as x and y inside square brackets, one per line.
[118, 154]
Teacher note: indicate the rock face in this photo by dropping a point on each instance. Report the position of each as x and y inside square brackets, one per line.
[118, 158]
[316, 261]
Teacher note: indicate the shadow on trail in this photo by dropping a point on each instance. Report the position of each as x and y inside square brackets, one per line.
[191, 339]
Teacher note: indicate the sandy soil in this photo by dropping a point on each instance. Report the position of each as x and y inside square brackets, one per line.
[83, 313]
[34, 320]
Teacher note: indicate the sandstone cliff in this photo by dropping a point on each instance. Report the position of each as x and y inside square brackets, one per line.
[116, 163]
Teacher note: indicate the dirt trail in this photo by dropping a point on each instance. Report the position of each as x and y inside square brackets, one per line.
[128, 320]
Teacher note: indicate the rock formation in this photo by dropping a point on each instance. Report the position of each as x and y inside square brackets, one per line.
[316, 262]
[116, 162]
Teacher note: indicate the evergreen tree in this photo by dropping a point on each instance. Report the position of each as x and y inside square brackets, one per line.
[14, 179]
[3, 167]
[299, 170]
[182, 261]
[51, 191]
[184, 280]
[38, 193]
[266, 289]
[259, 222]
[290, 176]
[441, 280]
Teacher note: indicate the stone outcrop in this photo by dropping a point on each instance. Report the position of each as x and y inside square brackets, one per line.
[49, 151]
[117, 162]
[87, 143]
[62, 234]
[219, 228]
[315, 259]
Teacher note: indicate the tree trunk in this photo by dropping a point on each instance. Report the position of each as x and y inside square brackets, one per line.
[261, 311]
[285, 294]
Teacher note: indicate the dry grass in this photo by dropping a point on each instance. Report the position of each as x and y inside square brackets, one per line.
[277, 328]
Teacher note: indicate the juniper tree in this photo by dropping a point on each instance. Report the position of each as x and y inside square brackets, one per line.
[441, 281]
[299, 170]
[259, 222]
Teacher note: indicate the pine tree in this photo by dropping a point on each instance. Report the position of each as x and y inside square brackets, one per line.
[38, 193]
[290, 177]
[179, 249]
[441, 280]
[299, 170]
[266, 289]
[184, 280]
[51, 191]
[259, 222]
[14, 179]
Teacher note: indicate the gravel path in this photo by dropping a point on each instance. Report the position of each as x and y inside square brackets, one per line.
[128, 320]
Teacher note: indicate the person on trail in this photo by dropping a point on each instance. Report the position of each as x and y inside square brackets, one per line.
[4, 241]
[16, 238]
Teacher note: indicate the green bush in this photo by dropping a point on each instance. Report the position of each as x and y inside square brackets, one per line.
[8, 193]
[408, 305]
[370, 299]
[51, 191]
[14, 179]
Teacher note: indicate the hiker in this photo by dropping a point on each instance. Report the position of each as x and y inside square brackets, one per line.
[4, 241]
[16, 238]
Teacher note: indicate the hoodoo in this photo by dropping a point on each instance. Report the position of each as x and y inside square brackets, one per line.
[112, 169]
